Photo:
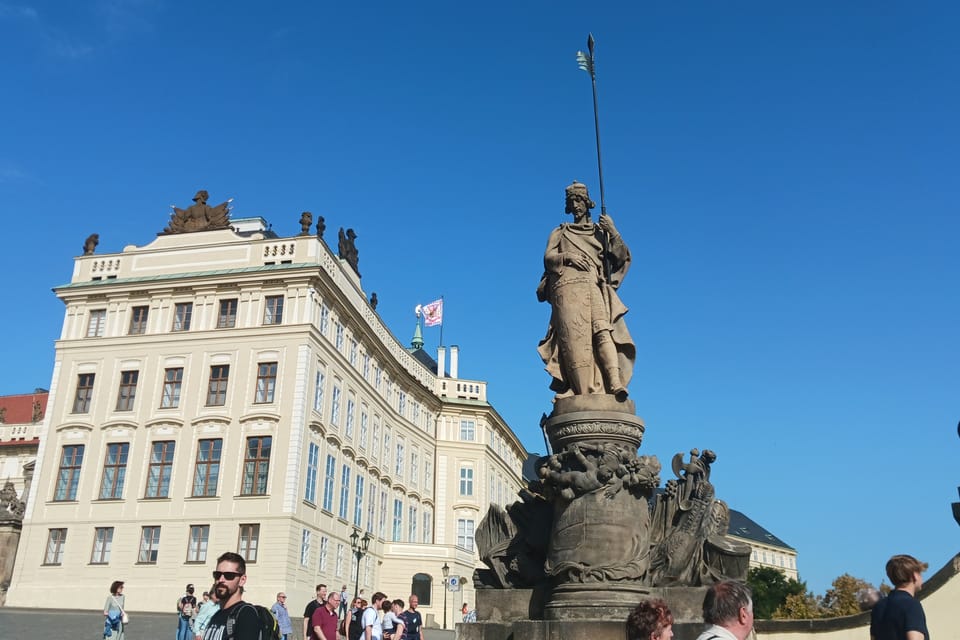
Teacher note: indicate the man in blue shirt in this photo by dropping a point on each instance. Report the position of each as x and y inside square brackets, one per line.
[900, 616]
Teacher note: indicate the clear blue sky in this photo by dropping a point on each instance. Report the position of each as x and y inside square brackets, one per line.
[785, 174]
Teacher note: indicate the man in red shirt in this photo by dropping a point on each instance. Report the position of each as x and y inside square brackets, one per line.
[324, 619]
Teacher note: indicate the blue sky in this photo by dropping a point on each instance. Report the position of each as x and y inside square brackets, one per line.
[784, 173]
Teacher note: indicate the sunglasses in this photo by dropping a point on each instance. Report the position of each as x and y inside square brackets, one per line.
[227, 575]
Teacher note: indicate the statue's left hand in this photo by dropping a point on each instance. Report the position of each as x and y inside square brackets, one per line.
[606, 223]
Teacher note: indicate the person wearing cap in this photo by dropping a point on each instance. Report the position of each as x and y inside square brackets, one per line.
[900, 615]
[587, 349]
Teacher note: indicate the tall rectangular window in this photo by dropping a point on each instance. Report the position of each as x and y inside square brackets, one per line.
[182, 315]
[138, 320]
[383, 513]
[371, 503]
[468, 430]
[428, 474]
[465, 534]
[397, 519]
[324, 551]
[318, 391]
[358, 501]
[128, 390]
[339, 569]
[363, 427]
[412, 518]
[273, 310]
[197, 544]
[427, 527]
[249, 541]
[353, 352]
[351, 411]
[96, 323]
[339, 337]
[402, 403]
[324, 319]
[149, 545]
[414, 468]
[68, 476]
[313, 464]
[160, 469]
[266, 381]
[375, 440]
[102, 542]
[207, 471]
[81, 401]
[335, 409]
[386, 446]
[466, 481]
[366, 366]
[56, 539]
[172, 380]
[217, 389]
[227, 318]
[305, 548]
[344, 491]
[114, 471]
[329, 476]
[256, 466]
[399, 461]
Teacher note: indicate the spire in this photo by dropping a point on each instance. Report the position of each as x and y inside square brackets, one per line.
[417, 342]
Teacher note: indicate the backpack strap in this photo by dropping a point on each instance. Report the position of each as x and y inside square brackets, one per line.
[232, 618]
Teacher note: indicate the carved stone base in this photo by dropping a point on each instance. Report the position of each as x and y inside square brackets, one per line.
[594, 601]
[615, 427]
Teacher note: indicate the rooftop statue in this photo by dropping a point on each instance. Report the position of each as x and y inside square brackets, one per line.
[347, 249]
[199, 216]
[587, 349]
[90, 244]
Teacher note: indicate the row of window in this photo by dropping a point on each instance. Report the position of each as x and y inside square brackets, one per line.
[366, 492]
[183, 316]
[248, 541]
[265, 392]
[206, 476]
[776, 559]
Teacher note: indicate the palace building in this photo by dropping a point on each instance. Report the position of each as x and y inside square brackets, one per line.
[226, 389]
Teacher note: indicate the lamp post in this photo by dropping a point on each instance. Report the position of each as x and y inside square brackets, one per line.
[360, 546]
[446, 576]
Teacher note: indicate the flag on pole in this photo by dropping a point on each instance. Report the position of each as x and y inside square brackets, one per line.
[433, 313]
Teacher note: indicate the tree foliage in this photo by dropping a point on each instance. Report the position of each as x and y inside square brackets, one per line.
[841, 598]
[771, 589]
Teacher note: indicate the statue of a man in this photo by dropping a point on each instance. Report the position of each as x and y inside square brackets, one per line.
[587, 349]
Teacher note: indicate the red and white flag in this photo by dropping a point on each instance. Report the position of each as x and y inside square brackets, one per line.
[433, 313]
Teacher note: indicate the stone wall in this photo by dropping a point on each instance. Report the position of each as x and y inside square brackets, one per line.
[9, 539]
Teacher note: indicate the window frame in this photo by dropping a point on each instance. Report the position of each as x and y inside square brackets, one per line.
[68, 473]
[127, 391]
[170, 392]
[164, 466]
[138, 320]
[256, 466]
[115, 458]
[248, 546]
[83, 398]
[266, 382]
[227, 313]
[149, 550]
[182, 316]
[217, 385]
[198, 542]
[211, 467]
[96, 323]
[273, 309]
[102, 538]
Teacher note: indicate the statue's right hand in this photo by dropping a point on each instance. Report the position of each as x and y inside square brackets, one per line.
[578, 261]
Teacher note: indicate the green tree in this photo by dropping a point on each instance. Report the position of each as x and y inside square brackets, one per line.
[841, 598]
[799, 606]
[770, 590]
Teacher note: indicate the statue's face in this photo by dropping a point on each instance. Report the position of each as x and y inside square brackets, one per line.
[577, 205]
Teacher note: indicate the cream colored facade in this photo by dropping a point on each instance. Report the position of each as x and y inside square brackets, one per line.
[234, 391]
[780, 558]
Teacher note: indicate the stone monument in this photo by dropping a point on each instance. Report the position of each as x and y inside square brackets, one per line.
[591, 536]
[11, 524]
[199, 216]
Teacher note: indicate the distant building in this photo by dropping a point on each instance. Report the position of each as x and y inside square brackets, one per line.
[21, 425]
[232, 390]
[768, 549]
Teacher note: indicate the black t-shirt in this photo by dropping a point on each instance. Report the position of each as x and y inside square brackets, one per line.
[412, 621]
[312, 606]
[896, 614]
[246, 625]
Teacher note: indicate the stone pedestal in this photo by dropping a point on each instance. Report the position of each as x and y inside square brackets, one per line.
[9, 539]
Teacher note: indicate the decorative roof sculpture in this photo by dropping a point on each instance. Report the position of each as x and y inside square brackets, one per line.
[199, 216]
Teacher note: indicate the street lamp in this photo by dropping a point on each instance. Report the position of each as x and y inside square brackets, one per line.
[446, 576]
[360, 547]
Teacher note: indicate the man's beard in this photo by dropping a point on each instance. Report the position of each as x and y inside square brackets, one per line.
[223, 592]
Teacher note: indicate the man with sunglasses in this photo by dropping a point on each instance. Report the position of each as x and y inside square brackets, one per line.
[244, 623]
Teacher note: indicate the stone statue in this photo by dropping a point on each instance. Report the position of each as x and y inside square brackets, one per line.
[10, 507]
[90, 244]
[347, 249]
[199, 216]
[306, 219]
[688, 537]
[587, 349]
[321, 227]
[37, 412]
[3, 415]
[373, 301]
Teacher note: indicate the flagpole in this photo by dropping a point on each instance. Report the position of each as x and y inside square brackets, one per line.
[588, 64]
[441, 322]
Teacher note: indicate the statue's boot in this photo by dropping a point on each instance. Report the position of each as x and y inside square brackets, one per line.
[607, 352]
